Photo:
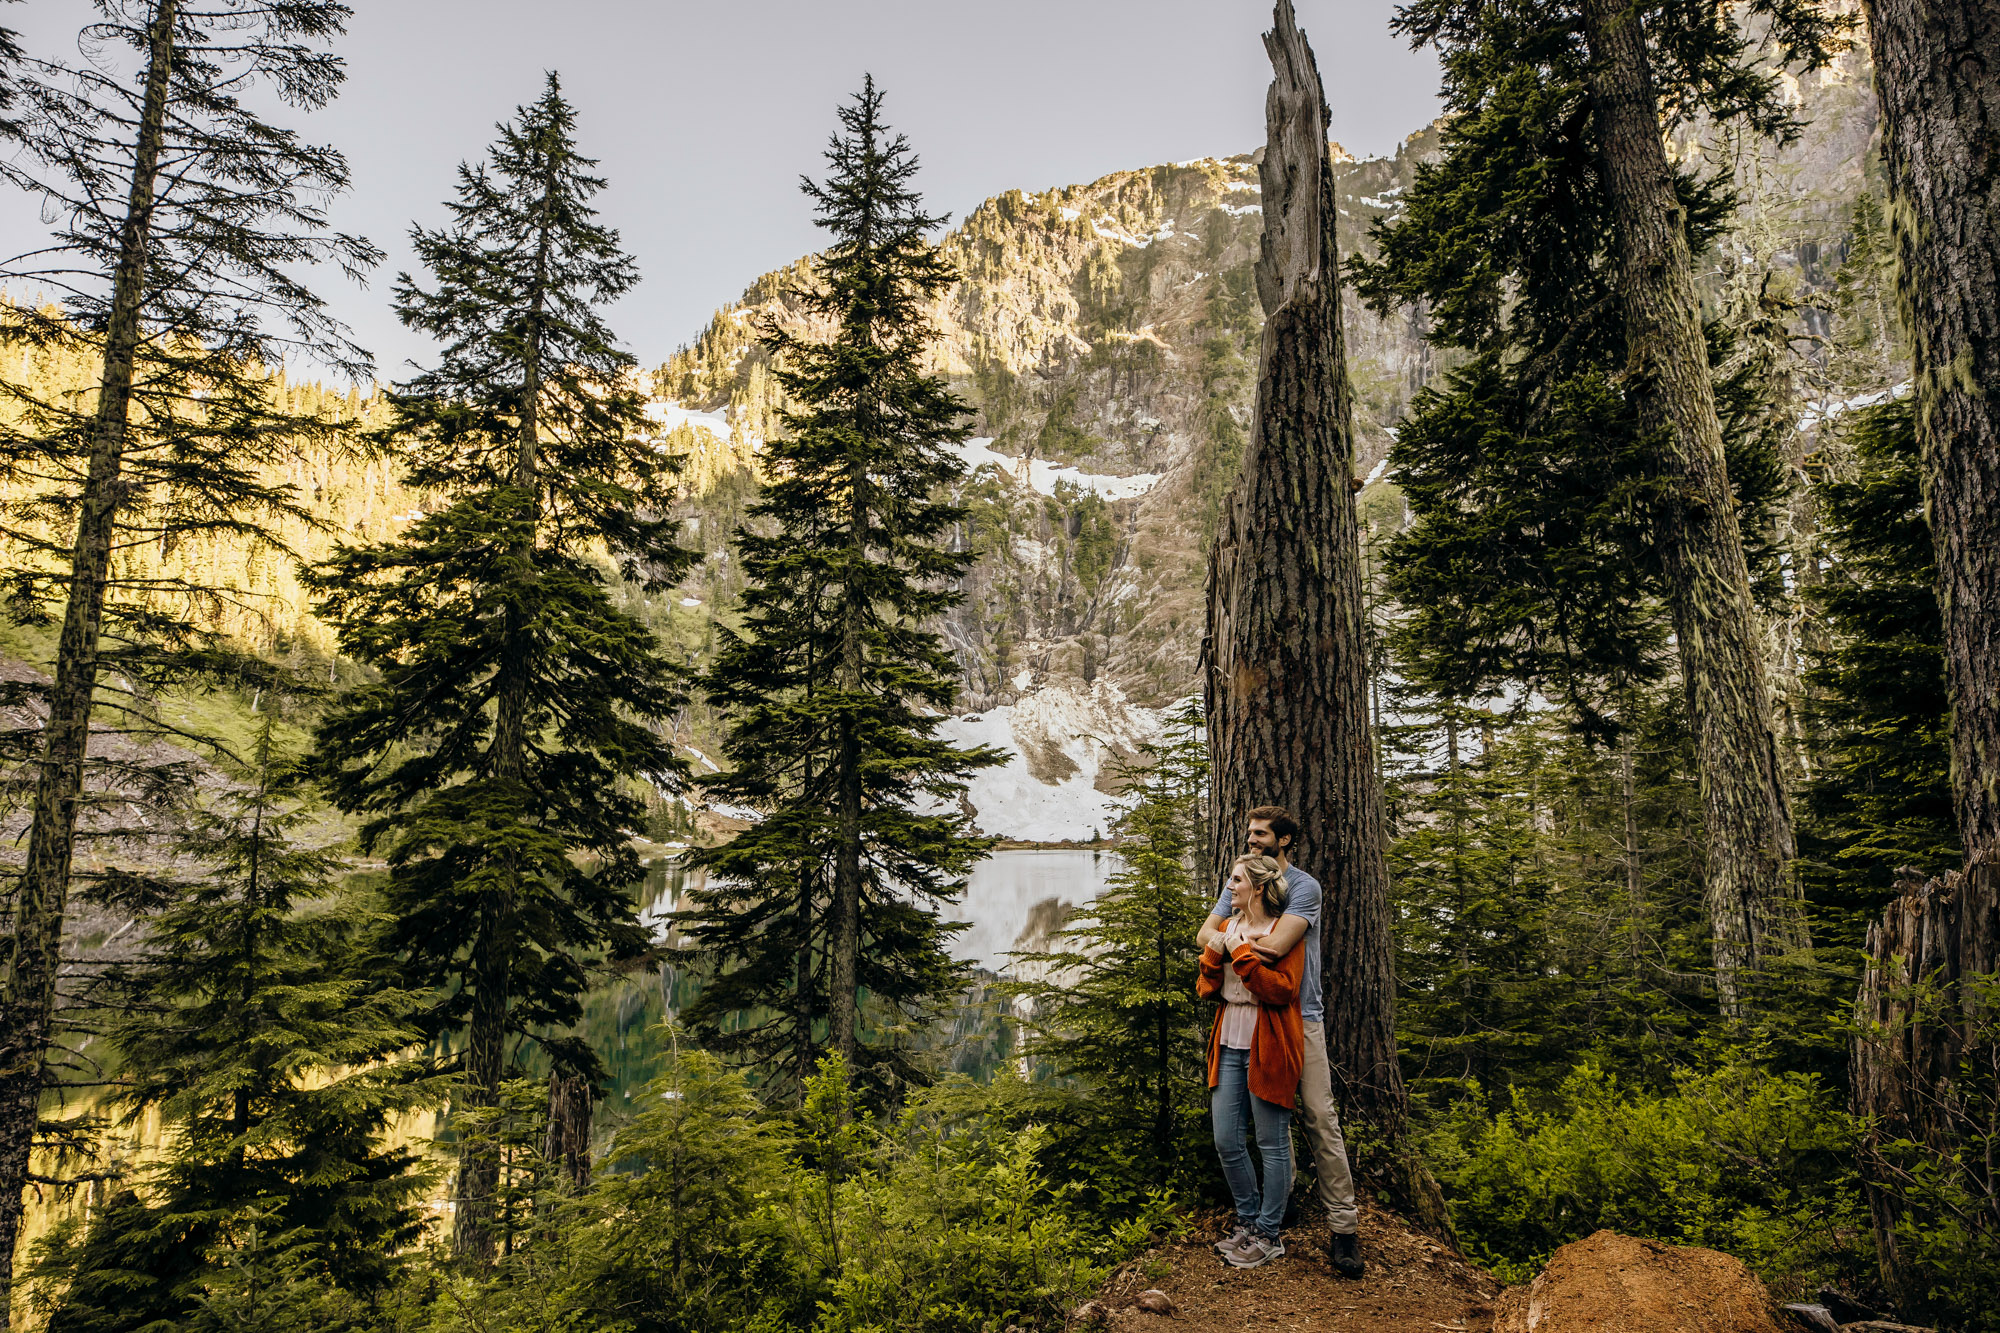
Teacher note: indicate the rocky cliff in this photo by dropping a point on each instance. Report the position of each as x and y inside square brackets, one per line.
[1106, 335]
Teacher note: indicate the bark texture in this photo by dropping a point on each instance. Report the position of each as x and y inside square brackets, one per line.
[1929, 1074]
[1751, 895]
[28, 996]
[1286, 656]
[567, 1144]
[844, 921]
[1926, 1068]
[1937, 75]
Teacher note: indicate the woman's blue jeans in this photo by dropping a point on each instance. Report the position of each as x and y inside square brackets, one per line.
[1233, 1107]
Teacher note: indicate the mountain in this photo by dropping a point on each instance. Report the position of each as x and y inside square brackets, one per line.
[1106, 338]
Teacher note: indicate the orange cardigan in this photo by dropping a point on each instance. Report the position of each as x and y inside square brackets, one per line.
[1278, 1051]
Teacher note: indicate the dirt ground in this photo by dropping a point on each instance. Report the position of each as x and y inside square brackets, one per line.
[1412, 1285]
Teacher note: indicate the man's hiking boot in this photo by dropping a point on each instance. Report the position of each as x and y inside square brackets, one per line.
[1344, 1253]
[1230, 1243]
[1255, 1252]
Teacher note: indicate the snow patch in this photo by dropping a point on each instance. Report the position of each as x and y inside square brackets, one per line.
[1064, 725]
[1827, 411]
[1105, 227]
[669, 415]
[1043, 475]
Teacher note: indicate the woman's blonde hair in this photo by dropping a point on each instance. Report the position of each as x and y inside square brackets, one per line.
[1269, 877]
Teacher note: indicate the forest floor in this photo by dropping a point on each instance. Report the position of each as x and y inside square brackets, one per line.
[1413, 1284]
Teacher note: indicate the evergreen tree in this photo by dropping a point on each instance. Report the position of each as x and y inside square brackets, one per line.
[517, 708]
[1114, 1008]
[252, 1025]
[1478, 991]
[1868, 348]
[182, 219]
[1880, 797]
[835, 684]
[1554, 242]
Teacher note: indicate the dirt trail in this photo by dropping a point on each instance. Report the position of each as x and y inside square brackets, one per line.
[1413, 1285]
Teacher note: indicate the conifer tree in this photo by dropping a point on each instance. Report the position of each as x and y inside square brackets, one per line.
[252, 1024]
[835, 684]
[1556, 239]
[517, 707]
[182, 218]
[1114, 1002]
[1880, 799]
[1477, 994]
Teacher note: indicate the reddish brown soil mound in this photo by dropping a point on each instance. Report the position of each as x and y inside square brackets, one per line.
[1608, 1283]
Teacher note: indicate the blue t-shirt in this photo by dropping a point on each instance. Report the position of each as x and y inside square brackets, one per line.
[1304, 902]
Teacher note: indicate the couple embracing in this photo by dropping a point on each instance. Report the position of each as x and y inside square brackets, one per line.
[1261, 958]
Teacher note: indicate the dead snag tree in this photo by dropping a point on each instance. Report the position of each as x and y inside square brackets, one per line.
[1927, 1064]
[1286, 655]
[1752, 897]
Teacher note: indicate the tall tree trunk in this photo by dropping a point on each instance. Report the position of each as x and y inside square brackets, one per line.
[844, 921]
[1635, 883]
[1752, 898]
[1286, 655]
[492, 949]
[1937, 76]
[566, 1145]
[28, 996]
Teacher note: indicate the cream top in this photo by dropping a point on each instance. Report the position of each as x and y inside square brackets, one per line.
[1239, 1006]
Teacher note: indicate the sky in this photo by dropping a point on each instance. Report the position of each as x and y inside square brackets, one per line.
[705, 115]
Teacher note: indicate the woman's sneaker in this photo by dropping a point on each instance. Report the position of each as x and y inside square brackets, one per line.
[1255, 1252]
[1234, 1240]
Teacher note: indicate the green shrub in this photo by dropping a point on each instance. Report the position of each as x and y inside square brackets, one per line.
[1736, 1159]
[938, 1223]
[713, 1216]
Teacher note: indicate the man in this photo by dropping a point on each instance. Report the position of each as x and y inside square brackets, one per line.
[1272, 830]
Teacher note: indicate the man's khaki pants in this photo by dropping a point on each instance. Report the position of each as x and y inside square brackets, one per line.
[1322, 1127]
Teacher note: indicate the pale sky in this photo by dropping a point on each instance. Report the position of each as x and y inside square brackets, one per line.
[706, 114]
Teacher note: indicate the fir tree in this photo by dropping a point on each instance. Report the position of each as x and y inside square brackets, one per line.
[1554, 242]
[252, 1025]
[517, 708]
[1476, 991]
[1880, 797]
[835, 683]
[1115, 1011]
[182, 221]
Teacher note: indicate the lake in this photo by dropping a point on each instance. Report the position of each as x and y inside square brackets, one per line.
[1013, 898]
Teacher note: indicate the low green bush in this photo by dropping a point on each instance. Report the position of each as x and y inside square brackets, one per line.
[712, 1215]
[1756, 1164]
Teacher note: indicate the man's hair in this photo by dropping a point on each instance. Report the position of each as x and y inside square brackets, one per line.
[1280, 819]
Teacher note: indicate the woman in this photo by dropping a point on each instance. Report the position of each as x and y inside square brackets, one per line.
[1255, 1055]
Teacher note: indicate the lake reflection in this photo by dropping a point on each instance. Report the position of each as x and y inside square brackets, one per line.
[1008, 893]
[1012, 890]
